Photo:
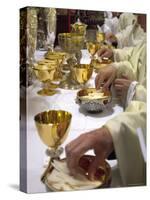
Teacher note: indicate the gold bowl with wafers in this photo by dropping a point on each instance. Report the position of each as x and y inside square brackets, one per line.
[93, 100]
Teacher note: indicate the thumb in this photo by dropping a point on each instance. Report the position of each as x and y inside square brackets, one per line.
[98, 161]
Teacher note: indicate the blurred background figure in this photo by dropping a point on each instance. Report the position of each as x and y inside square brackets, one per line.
[124, 31]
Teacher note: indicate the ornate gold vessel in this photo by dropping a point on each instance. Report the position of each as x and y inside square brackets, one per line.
[93, 47]
[48, 71]
[79, 28]
[80, 74]
[93, 100]
[72, 43]
[53, 127]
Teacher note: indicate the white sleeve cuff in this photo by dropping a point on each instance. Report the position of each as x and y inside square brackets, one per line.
[131, 92]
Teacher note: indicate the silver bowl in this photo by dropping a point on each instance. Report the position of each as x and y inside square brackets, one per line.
[98, 104]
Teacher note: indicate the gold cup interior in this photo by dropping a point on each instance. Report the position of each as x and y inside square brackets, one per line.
[81, 73]
[53, 126]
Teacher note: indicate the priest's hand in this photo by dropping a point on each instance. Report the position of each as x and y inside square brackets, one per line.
[105, 53]
[105, 77]
[111, 38]
[121, 86]
[99, 140]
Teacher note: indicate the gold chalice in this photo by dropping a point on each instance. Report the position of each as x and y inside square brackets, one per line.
[80, 74]
[98, 64]
[72, 43]
[100, 37]
[47, 71]
[92, 47]
[79, 28]
[53, 127]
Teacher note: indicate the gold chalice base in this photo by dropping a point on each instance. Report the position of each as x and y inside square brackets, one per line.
[47, 92]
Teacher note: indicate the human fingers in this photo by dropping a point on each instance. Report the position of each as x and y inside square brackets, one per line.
[98, 161]
[74, 154]
[125, 76]
[118, 87]
[99, 80]
[108, 83]
[119, 81]
[101, 51]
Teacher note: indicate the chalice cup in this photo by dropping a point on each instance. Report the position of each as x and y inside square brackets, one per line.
[72, 43]
[92, 48]
[80, 74]
[47, 71]
[53, 127]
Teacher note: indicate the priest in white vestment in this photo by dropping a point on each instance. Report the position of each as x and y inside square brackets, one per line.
[120, 133]
[126, 30]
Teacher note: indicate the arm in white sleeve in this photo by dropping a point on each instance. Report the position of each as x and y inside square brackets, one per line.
[126, 143]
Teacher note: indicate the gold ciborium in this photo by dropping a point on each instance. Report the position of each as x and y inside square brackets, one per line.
[92, 48]
[80, 74]
[47, 71]
[53, 127]
[72, 43]
[79, 28]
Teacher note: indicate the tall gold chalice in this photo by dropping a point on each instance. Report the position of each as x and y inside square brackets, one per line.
[53, 127]
[79, 28]
[47, 71]
[72, 43]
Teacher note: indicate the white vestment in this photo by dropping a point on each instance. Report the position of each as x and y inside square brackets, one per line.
[123, 128]
[126, 29]
[132, 63]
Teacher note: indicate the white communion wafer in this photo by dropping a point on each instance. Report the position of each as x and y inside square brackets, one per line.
[94, 95]
[60, 179]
